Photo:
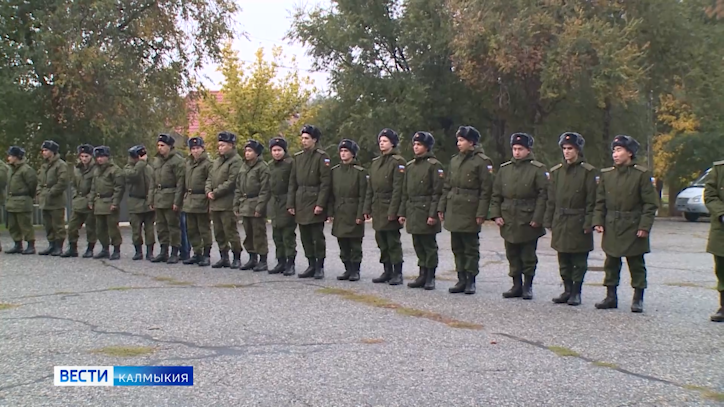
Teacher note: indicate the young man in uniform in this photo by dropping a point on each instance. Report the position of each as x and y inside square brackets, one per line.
[250, 200]
[464, 205]
[82, 182]
[714, 200]
[283, 225]
[309, 187]
[626, 204]
[4, 173]
[424, 180]
[383, 202]
[141, 187]
[169, 174]
[518, 207]
[22, 184]
[53, 179]
[569, 213]
[346, 204]
[107, 192]
[220, 187]
[196, 204]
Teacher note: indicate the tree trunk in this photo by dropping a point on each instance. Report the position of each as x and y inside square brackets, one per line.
[606, 134]
[498, 133]
[673, 191]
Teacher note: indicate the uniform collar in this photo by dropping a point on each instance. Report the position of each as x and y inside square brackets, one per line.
[578, 161]
[530, 157]
[425, 156]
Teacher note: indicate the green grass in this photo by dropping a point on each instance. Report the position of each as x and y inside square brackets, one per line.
[605, 364]
[119, 288]
[5, 305]
[563, 352]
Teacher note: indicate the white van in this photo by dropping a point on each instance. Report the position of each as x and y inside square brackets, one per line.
[690, 201]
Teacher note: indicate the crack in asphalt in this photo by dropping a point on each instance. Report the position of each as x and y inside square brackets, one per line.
[38, 380]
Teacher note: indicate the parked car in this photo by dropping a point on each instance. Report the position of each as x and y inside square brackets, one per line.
[690, 201]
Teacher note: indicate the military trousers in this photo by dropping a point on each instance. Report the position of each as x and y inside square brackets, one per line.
[719, 271]
[185, 247]
[54, 223]
[20, 226]
[313, 240]
[76, 221]
[168, 227]
[285, 241]
[107, 229]
[350, 249]
[466, 249]
[522, 258]
[636, 266]
[573, 266]
[199, 231]
[390, 246]
[426, 250]
[255, 240]
[142, 227]
[226, 231]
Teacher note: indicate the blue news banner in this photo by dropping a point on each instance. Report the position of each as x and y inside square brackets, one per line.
[124, 376]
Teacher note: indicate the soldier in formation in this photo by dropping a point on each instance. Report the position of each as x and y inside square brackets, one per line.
[4, 170]
[196, 204]
[107, 192]
[283, 224]
[22, 184]
[169, 172]
[714, 199]
[53, 178]
[81, 214]
[140, 183]
[250, 200]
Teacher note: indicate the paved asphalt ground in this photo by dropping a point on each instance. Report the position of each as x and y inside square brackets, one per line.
[261, 340]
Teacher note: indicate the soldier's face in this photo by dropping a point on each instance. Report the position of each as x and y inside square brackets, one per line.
[163, 148]
[464, 144]
[277, 153]
[46, 153]
[570, 153]
[102, 160]
[12, 159]
[385, 144]
[345, 155]
[196, 151]
[621, 155]
[85, 158]
[520, 152]
[250, 154]
[307, 141]
[224, 147]
[419, 148]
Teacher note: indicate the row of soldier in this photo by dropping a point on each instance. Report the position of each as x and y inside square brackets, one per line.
[523, 198]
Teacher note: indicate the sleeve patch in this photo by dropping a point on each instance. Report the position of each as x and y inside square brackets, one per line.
[326, 162]
[548, 175]
[598, 179]
[653, 182]
[401, 168]
[490, 169]
[441, 173]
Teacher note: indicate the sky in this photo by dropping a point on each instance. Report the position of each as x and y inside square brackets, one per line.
[265, 23]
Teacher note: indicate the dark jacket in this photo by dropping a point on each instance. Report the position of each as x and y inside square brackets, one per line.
[140, 184]
[222, 181]
[279, 173]
[309, 185]
[346, 202]
[384, 193]
[53, 180]
[424, 180]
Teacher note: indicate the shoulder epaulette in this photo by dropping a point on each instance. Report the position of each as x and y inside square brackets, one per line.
[555, 167]
[288, 160]
[410, 162]
[588, 166]
[320, 151]
[640, 168]
[359, 167]
[398, 157]
[719, 162]
[298, 153]
[608, 169]
[538, 164]
[505, 163]
[483, 156]
[270, 162]
[336, 166]
[377, 158]
[433, 160]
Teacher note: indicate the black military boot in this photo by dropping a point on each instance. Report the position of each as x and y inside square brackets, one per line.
[138, 255]
[460, 286]
[289, 269]
[236, 263]
[516, 290]
[149, 252]
[262, 265]
[30, 249]
[527, 287]
[420, 280]
[396, 274]
[279, 268]
[224, 262]
[575, 293]
[563, 298]
[430, 278]
[354, 273]
[103, 254]
[17, 249]
[205, 259]
[319, 270]
[162, 256]
[719, 316]
[611, 300]
[116, 253]
[89, 251]
[249, 265]
[309, 272]
[347, 271]
[637, 304]
[48, 250]
[72, 250]
[386, 275]
[470, 284]
[192, 259]
[57, 249]
[173, 258]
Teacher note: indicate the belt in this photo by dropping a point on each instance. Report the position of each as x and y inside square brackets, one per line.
[249, 195]
[520, 202]
[421, 198]
[165, 186]
[313, 188]
[280, 196]
[137, 196]
[345, 199]
[108, 195]
[384, 195]
[465, 191]
[196, 191]
[623, 214]
[18, 194]
[569, 211]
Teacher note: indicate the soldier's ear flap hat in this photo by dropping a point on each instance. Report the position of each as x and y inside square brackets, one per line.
[102, 151]
[85, 149]
[16, 151]
[227, 137]
[50, 145]
[195, 142]
[137, 151]
[313, 131]
[627, 142]
[574, 139]
[425, 138]
[166, 139]
[278, 142]
[255, 145]
[469, 133]
[521, 139]
[391, 135]
[349, 145]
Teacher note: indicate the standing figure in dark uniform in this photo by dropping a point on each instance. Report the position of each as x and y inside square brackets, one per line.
[283, 224]
[53, 179]
[196, 204]
[169, 173]
[82, 183]
[141, 187]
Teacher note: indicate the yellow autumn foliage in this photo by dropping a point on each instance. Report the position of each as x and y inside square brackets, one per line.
[681, 121]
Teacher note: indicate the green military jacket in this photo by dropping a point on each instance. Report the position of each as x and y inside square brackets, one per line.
[53, 179]
[309, 185]
[22, 184]
[82, 183]
[252, 188]
[279, 173]
[108, 188]
[626, 202]
[467, 190]
[714, 200]
[384, 193]
[519, 197]
[424, 180]
[197, 172]
[346, 202]
[169, 174]
[141, 186]
[4, 172]
[571, 201]
[222, 181]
